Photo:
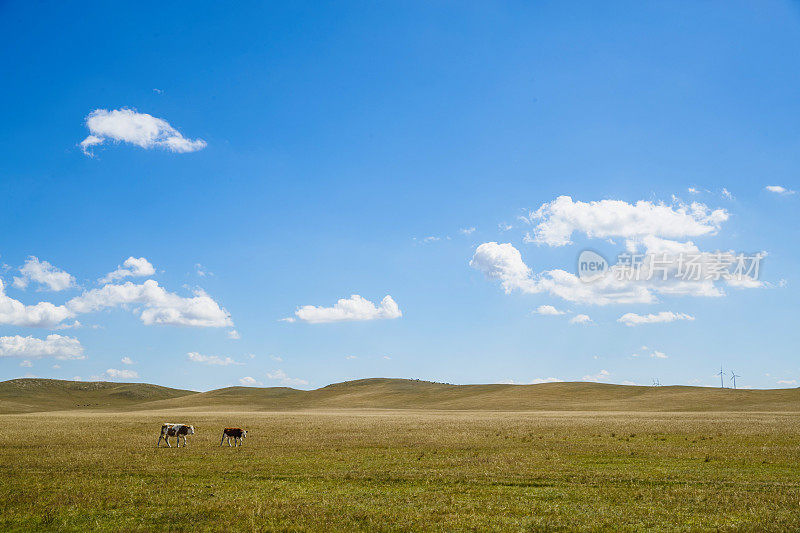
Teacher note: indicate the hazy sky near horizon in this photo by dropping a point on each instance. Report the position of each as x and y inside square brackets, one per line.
[202, 195]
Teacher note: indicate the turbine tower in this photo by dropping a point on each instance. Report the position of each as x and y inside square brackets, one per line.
[733, 377]
[721, 378]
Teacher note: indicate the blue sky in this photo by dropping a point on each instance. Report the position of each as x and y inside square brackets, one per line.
[308, 153]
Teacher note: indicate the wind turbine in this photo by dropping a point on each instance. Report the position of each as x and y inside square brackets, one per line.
[721, 378]
[733, 377]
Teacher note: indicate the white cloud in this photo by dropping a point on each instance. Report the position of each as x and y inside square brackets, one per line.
[56, 367]
[615, 218]
[693, 190]
[114, 374]
[467, 231]
[211, 359]
[350, 357]
[503, 226]
[74, 325]
[140, 129]
[284, 379]
[777, 189]
[26, 364]
[233, 334]
[387, 357]
[202, 271]
[727, 194]
[41, 315]
[603, 375]
[655, 354]
[45, 274]
[276, 358]
[353, 308]
[787, 382]
[249, 381]
[160, 307]
[632, 319]
[56, 346]
[537, 381]
[127, 361]
[580, 319]
[504, 263]
[132, 267]
[548, 310]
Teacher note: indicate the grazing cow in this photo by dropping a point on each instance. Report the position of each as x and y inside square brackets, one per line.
[175, 430]
[238, 435]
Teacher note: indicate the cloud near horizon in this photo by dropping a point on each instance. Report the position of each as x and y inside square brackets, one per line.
[211, 359]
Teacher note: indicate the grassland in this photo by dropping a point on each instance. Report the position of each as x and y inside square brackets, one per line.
[401, 469]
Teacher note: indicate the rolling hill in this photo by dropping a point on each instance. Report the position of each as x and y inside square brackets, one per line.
[31, 395]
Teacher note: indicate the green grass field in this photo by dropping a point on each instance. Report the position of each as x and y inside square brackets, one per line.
[409, 469]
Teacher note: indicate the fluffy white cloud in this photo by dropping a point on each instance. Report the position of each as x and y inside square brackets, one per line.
[56, 346]
[284, 379]
[141, 129]
[45, 274]
[467, 231]
[655, 354]
[26, 364]
[562, 217]
[632, 319]
[211, 359]
[777, 189]
[127, 361]
[132, 267]
[728, 195]
[233, 334]
[504, 263]
[353, 308]
[41, 315]
[249, 381]
[537, 381]
[603, 375]
[160, 307]
[787, 382]
[548, 310]
[580, 319]
[114, 374]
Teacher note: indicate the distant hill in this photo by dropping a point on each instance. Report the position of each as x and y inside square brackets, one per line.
[29, 395]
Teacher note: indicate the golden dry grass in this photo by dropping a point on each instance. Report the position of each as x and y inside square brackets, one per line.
[403, 470]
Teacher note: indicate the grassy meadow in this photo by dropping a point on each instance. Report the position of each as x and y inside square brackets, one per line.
[362, 469]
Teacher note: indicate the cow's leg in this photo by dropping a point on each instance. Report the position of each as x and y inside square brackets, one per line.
[223, 439]
[229, 440]
[184, 441]
[159, 440]
[166, 439]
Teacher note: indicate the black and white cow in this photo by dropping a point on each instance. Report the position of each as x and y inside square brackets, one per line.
[175, 430]
[238, 435]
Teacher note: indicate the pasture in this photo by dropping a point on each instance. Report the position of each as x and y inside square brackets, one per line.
[361, 469]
